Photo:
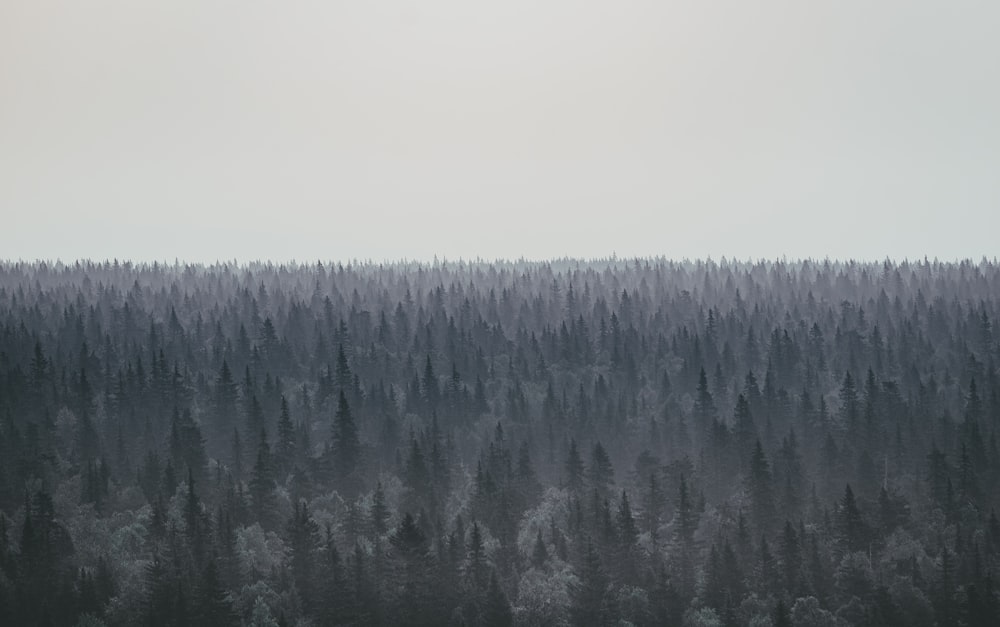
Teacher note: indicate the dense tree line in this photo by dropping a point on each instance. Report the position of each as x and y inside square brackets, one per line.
[614, 442]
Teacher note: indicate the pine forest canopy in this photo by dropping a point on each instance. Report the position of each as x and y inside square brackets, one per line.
[607, 442]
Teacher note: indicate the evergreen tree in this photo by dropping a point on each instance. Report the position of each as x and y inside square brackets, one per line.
[589, 603]
[346, 446]
[600, 473]
[761, 489]
[287, 439]
[213, 606]
[262, 480]
[652, 504]
[380, 511]
[303, 535]
[851, 527]
[574, 468]
[539, 554]
[497, 612]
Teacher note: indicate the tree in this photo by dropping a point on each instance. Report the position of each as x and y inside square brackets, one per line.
[187, 446]
[212, 604]
[261, 615]
[476, 567]
[652, 505]
[539, 554]
[497, 612]
[44, 564]
[589, 604]
[685, 519]
[303, 534]
[628, 533]
[236, 456]
[379, 511]
[195, 524]
[225, 397]
[746, 431]
[346, 446]
[782, 617]
[601, 472]
[574, 468]
[851, 527]
[287, 438]
[704, 405]
[412, 587]
[938, 477]
[791, 558]
[761, 489]
[262, 480]
[850, 406]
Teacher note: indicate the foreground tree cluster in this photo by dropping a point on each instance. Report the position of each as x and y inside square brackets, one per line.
[639, 442]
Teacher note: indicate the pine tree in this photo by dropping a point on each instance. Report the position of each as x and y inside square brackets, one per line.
[628, 557]
[285, 446]
[704, 405]
[782, 617]
[628, 533]
[213, 606]
[159, 593]
[574, 468]
[850, 406]
[476, 561]
[497, 611]
[195, 525]
[851, 527]
[539, 554]
[379, 511]
[236, 456]
[652, 505]
[303, 535]
[745, 430]
[262, 481]
[601, 473]
[945, 588]
[589, 602]
[791, 558]
[415, 601]
[761, 490]
[346, 446]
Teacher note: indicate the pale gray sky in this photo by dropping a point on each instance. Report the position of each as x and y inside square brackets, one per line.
[334, 129]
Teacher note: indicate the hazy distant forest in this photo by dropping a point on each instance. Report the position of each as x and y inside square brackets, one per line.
[615, 442]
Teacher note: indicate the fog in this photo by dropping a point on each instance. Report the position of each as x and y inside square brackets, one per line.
[388, 130]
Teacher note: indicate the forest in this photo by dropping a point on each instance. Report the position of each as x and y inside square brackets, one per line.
[608, 442]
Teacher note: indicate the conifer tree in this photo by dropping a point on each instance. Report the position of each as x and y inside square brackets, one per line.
[262, 480]
[346, 446]
[574, 468]
[287, 440]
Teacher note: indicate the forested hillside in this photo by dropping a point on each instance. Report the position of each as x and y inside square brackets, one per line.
[617, 442]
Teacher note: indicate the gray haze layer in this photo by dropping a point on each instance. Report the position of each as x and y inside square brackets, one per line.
[389, 129]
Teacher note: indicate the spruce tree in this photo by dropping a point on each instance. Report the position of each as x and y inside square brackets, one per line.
[346, 446]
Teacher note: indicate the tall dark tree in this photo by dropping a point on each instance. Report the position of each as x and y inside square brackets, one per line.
[574, 468]
[213, 605]
[852, 531]
[287, 439]
[262, 480]
[303, 539]
[589, 596]
[761, 488]
[497, 611]
[346, 445]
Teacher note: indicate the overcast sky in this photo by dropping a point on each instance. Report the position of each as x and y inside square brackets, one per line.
[335, 129]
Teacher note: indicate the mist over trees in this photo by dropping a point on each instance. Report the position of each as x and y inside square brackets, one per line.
[616, 442]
